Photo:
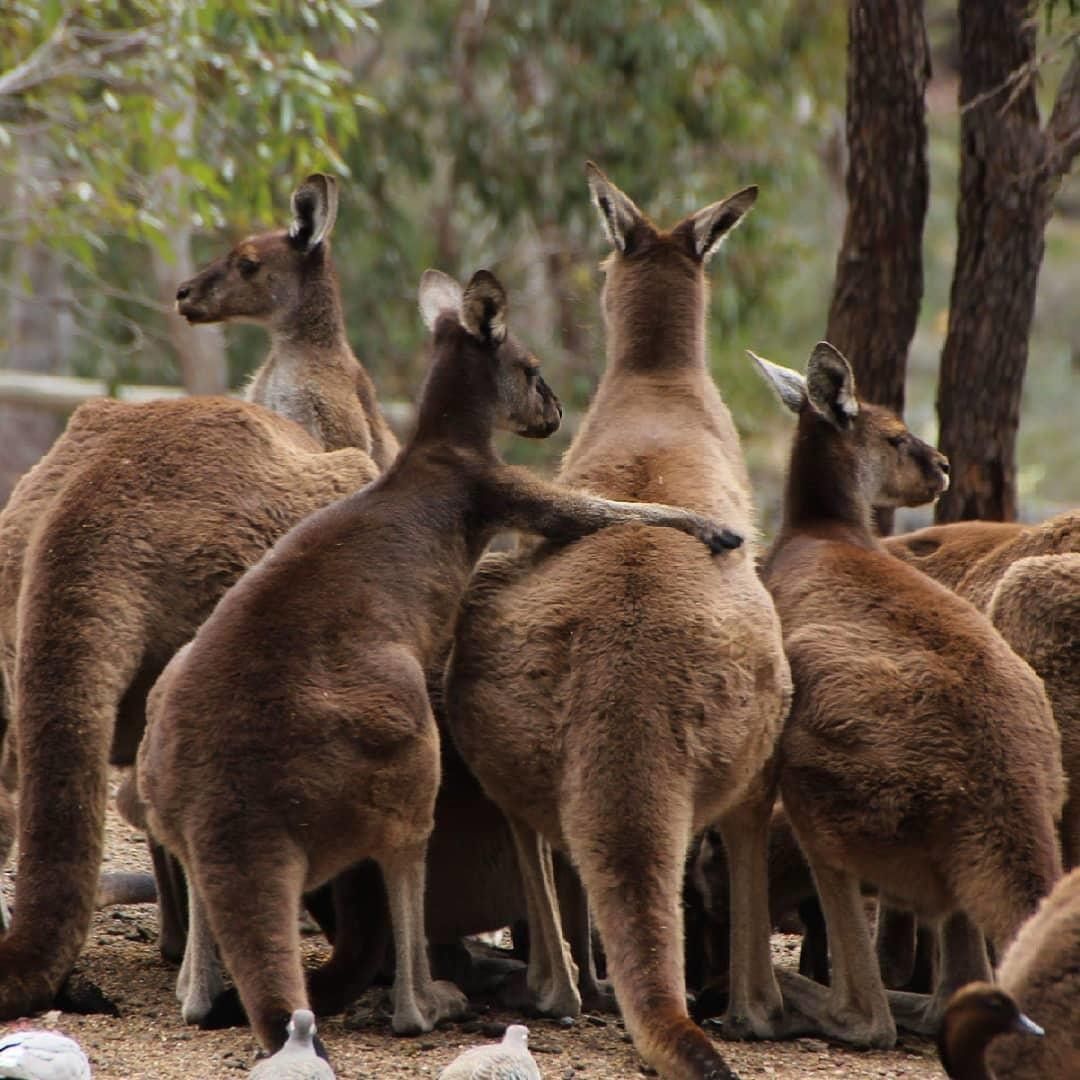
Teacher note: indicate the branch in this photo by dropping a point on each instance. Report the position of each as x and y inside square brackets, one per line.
[91, 48]
[1019, 79]
[36, 68]
[1063, 128]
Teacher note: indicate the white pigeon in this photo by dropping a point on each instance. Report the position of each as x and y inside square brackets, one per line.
[42, 1055]
[297, 1059]
[508, 1060]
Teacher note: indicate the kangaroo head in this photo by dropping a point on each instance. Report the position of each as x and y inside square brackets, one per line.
[648, 264]
[868, 445]
[476, 316]
[261, 279]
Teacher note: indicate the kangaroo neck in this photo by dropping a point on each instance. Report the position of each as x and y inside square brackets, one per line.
[822, 492]
[457, 407]
[655, 323]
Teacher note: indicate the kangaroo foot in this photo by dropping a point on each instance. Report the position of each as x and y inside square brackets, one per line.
[597, 996]
[199, 996]
[711, 1001]
[225, 1012]
[477, 969]
[921, 1014]
[814, 1011]
[427, 1006]
[78, 994]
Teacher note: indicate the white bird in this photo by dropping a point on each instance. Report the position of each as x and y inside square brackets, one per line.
[297, 1059]
[508, 1060]
[42, 1055]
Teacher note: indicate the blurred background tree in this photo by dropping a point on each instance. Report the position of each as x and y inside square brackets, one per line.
[160, 131]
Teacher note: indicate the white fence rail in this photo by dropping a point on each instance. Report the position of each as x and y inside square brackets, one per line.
[62, 393]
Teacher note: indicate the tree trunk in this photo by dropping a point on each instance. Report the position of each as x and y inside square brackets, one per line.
[879, 279]
[1009, 171]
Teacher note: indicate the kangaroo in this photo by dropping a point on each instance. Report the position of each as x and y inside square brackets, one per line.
[326, 642]
[920, 756]
[970, 557]
[1025, 578]
[1039, 974]
[284, 280]
[615, 697]
[117, 545]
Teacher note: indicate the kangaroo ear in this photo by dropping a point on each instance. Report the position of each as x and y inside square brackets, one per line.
[830, 385]
[789, 385]
[438, 292]
[705, 231]
[620, 216]
[314, 207]
[483, 307]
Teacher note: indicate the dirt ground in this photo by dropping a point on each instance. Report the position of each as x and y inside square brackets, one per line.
[149, 1039]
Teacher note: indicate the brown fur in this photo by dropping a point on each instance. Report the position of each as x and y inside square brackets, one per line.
[972, 556]
[790, 885]
[1039, 974]
[920, 756]
[113, 550]
[321, 650]
[616, 696]
[1025, 578]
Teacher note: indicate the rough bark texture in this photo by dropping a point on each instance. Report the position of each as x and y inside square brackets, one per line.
[1009, 171]
[879, 278]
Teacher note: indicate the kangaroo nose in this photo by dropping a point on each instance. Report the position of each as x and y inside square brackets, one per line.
[183, 292]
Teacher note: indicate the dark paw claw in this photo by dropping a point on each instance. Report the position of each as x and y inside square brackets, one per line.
[724, 540]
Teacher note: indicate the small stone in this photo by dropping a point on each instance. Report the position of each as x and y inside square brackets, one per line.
[429, 1046]
[566, 1021]
[545, 1048]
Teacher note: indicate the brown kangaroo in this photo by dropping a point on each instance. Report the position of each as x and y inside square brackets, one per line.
[970, 557]
[1026, 579]
[1040, 974]
[920, 755]
[325, 644]
[117, 545]
[617, 696]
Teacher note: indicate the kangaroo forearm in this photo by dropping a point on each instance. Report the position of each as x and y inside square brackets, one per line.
[561, 514]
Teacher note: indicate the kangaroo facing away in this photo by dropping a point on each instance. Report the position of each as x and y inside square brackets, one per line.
[117, 545]
[1026, 579]
[920, 756]
[325, 644]
[617, 696]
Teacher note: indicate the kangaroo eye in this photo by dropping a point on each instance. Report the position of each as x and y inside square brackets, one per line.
[247, 266]
[897, 440]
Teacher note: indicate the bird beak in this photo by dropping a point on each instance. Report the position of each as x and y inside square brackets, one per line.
[1024, 1025]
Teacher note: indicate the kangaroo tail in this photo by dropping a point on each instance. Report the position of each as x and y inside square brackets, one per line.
[629, 839]
[66, 690]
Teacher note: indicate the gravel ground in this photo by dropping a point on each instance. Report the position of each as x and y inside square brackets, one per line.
[149, 1039]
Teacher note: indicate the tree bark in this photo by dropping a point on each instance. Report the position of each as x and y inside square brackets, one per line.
[879, 280]
[1009, 171]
